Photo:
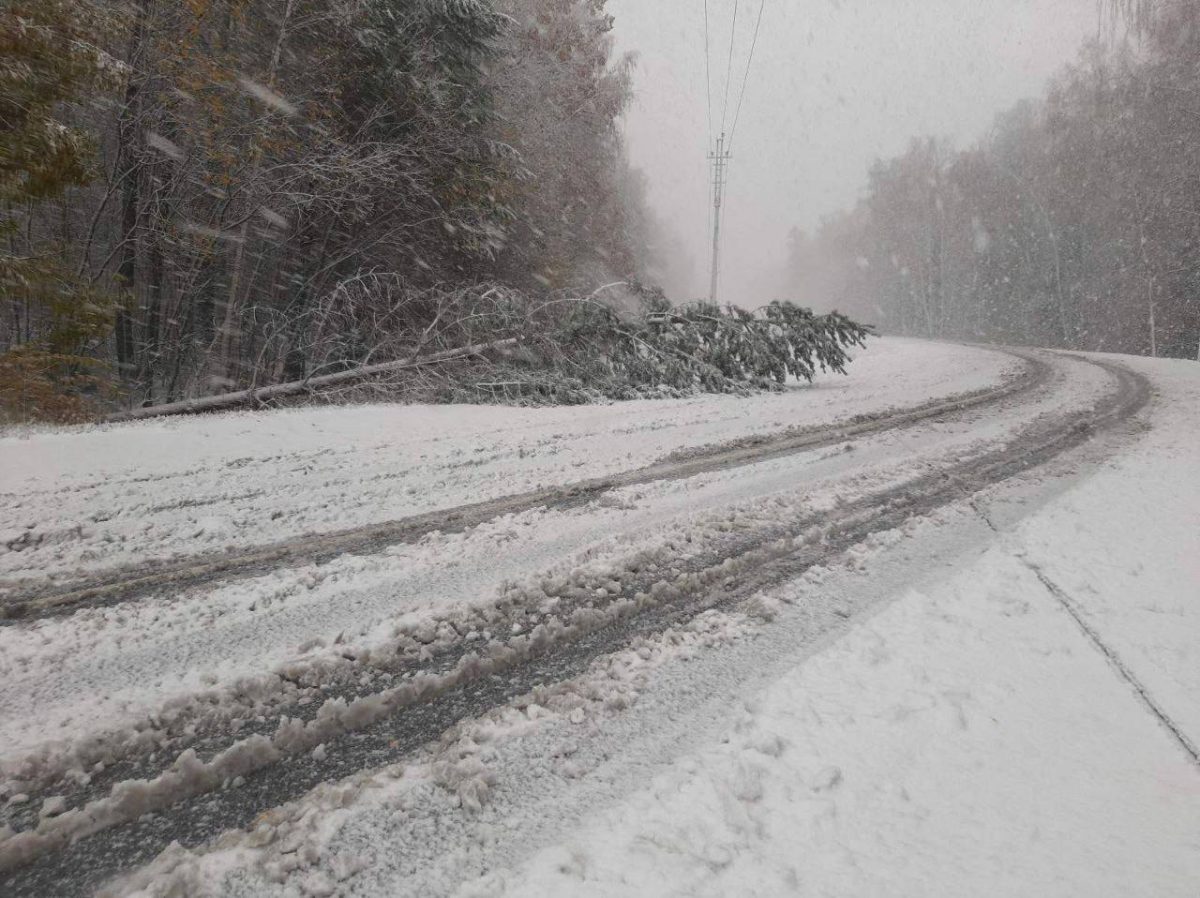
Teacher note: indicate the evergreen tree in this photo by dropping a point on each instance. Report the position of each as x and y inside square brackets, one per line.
[50, 61]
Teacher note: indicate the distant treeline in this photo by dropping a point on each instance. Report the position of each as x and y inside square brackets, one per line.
[201, 195]
[1075, 224]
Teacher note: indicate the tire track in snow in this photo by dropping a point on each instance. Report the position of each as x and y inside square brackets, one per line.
[25, 602]
[768, 556]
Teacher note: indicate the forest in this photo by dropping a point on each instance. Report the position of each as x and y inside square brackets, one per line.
[249, 198]
[216, 193]
[1074, 224]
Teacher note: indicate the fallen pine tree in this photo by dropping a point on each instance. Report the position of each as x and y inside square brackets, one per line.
[700, 347]
[262, 395]
[568, 350]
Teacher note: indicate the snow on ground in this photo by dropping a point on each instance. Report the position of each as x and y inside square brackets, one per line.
[965, 741]
[1125, 546]
[968, 738]
[107, 666]
[110, 667]
[82, 499]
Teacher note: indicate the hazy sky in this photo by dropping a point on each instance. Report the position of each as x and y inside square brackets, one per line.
[835, 85]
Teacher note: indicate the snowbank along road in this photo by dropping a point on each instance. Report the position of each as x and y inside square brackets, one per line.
[391, 650]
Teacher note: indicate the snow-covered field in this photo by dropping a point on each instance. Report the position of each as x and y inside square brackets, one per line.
[998, 698]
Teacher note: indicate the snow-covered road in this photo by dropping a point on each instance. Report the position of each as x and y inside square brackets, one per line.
[989, 732]
[76, 502]
[918, 713]
[114, 665]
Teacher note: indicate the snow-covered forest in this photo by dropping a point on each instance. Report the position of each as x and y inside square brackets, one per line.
[224, 195]
[1073, 224]
[230, 192]
[227, 193]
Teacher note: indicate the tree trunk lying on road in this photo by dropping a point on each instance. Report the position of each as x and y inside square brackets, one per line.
[227, 401]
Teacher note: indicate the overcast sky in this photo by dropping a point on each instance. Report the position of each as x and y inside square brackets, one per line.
[835, 85]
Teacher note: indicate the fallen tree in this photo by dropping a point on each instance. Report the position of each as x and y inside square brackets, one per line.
[227, 401]
[509, 346]
[700, 347]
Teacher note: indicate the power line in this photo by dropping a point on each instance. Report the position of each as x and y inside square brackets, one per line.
[722, 157]
[749, 62]
[707, 75]
[708, 106]
[729, 67]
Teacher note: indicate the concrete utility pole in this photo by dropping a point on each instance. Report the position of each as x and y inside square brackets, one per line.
[720, 160]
